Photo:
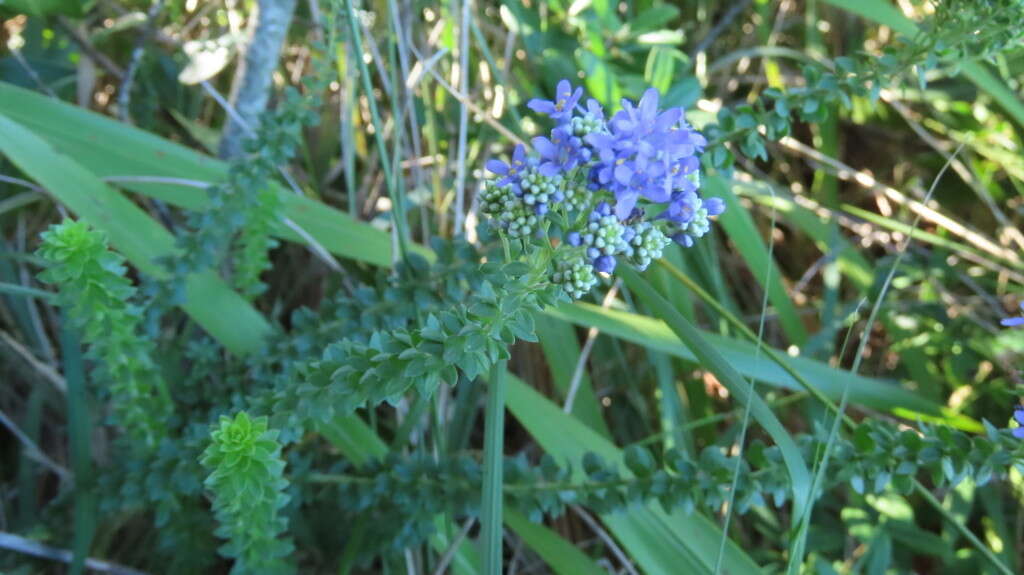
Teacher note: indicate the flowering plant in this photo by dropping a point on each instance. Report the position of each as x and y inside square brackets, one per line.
[1018, 412]
[609, 188]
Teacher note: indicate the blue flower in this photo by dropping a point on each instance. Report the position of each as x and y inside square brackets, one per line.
[646, 153]
[561, 108]
[595, 176]
[1018, 416]
[643, 177]
[1013, 321]
[562, 152]
[688, 215]
[509, 172]
[682, 208]
[685, 174]
[641, 118]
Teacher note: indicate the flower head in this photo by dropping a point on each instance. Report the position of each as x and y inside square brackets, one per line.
[509, 172]
[562, 152]
[688, 215]
[594, 180]
[645, 153]
[561, 108]
[1018, 416]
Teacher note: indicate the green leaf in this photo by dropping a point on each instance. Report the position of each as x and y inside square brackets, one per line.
[359, 444]
[656, 335]
[884, 12]
[800, 482]
[70, 8]
[745, 236]
[209, 300]
[563, 557]
[106, 147]
[661, 543]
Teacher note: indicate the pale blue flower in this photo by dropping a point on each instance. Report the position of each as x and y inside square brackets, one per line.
[562, 107]
[1013, 321]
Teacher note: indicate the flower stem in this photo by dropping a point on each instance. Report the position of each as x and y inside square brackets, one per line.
[494, 442]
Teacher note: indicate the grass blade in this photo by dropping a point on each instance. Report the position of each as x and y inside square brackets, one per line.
[209, 300]
[740, 227]
[732, 380]
[660, 543]
[494, 454]
[562, 353]
[562, 556]
[655, 334]
[109, 148]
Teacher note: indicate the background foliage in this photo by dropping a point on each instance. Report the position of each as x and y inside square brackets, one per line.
[285, 356]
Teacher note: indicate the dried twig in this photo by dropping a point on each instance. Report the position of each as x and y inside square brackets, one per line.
[449, 553]
[32, 450]
[847, 173]
[588, 345]
[460, 161]
[596, 528]
[124, 92]
[27, 546]
[25, 355]
[83, 42]
[486, 117]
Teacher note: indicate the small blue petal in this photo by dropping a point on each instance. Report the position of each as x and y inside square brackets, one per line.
[497, 167]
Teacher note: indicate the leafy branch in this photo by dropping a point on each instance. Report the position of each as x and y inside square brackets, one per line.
[468, 338]
[97, 296]
[247, 482]
[957, 32]
[878, 456]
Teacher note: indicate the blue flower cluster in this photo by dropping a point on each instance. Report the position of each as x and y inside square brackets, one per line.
[612, 188]
[1013, 321]
[1018, 412]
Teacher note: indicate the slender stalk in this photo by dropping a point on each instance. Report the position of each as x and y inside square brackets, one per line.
[347, 103]
[460, 165]
[397, 198]
[959, 525]
[746, 409]
[494, 442]
[20, 290]
[804, 521]
[79, 431]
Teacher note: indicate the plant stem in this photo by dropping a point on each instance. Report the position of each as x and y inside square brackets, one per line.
[978, 544]
[494, 442]
[79, 430]
[398, 201]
